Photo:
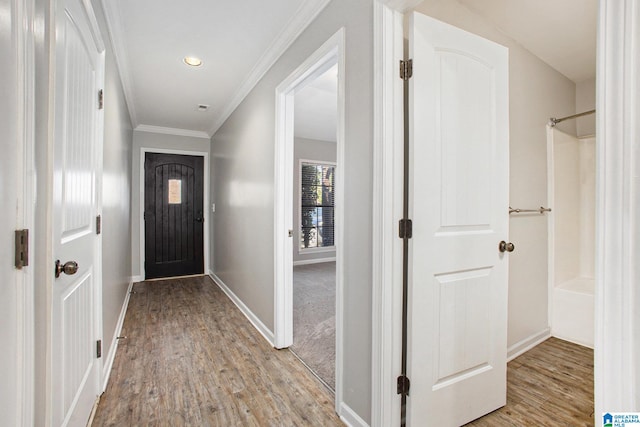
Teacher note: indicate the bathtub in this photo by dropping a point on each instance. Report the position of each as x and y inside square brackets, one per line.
[573, 311]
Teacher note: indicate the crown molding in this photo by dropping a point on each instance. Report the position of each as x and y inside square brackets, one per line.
[304, 16]
[115, 29]
[172, 131]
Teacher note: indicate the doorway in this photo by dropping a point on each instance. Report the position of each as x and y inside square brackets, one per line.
[314, 249]
[320, 225]
[173, 215]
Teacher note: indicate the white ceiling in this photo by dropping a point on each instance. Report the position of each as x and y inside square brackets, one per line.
[240, 40]
[316, 108]
[237, 40]
[560, 32]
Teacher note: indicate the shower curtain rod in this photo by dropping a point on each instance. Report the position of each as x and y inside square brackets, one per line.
[553, 121]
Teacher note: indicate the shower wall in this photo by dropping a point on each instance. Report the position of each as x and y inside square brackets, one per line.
[572, 233]
[573, 207]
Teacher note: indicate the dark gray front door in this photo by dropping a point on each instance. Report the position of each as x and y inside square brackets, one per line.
[174, 215]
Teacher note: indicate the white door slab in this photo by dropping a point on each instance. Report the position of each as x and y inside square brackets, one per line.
[458, 192]
[75, 369]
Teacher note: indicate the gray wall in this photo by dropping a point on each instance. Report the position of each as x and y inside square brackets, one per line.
[161, 141]
[308, 149]
[116, 193]
[243, 175]
[536, 93]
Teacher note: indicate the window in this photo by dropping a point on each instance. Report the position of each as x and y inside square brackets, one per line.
[316, 204]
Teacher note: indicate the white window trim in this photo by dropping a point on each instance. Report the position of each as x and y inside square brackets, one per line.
[320, 249]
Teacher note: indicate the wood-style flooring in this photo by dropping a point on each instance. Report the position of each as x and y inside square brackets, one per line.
[550, 385]
[190, 358]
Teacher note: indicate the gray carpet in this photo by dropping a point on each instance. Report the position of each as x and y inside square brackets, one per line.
[314, 318]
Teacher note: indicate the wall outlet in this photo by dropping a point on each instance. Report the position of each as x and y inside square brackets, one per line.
[213, 207]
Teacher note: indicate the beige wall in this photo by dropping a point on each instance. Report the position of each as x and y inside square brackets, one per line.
[586, 101]
[537, 92]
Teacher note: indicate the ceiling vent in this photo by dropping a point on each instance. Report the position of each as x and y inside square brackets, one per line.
[203, 107]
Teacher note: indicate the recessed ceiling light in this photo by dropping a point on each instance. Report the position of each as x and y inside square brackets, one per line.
[193, 61]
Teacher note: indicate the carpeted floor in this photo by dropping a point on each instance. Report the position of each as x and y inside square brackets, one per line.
[314, 318]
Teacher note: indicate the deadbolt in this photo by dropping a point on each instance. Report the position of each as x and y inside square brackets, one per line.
[69, 267]
[506, 247]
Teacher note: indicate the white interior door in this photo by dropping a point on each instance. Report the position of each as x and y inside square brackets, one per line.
[75, 367]
[458, 194]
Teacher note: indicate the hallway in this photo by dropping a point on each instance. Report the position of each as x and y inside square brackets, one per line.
[191, 358]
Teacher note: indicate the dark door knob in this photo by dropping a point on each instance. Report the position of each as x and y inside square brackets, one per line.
[69, 267]
[506, 247]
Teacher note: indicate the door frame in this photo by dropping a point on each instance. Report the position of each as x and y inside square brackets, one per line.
[23, 16]
[617, 312]
[388, 190]
[205, 201]
[327, 55]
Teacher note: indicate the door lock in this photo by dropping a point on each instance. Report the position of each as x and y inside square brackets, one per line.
[69, 267]
[506, 247]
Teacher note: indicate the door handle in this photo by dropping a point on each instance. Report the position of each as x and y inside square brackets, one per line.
[69, 267]
[199, 219]
[506, 247]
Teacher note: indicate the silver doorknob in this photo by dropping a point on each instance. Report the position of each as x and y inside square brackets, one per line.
[69, 267]
[506, 247]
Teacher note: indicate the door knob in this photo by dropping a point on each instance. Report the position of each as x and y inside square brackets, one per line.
[69, 267]
[506, 247]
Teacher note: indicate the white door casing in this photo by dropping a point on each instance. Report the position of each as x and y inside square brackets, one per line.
[326, 56]
[458, 193]
[76, 313]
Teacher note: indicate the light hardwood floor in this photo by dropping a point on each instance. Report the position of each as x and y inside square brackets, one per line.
[550, 385]
[192, 359]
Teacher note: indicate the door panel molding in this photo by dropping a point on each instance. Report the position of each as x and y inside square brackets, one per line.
[205, 197]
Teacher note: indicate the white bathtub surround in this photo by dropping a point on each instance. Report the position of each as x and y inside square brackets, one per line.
[571, 237]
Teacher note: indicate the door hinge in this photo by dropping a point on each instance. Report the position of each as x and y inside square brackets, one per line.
[405, 229]
[22, 248]
[100, 99]
[99, 349]
[99, 224]
[406, 69]
[403, 385]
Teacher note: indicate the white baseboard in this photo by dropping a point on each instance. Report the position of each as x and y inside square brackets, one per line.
[350, 418]
[527, 344]
[255, 321]
[314, 261]
[108, 361]
[136, 279]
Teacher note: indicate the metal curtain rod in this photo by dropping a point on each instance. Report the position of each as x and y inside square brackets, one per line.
[553, 121]
[540, 210]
